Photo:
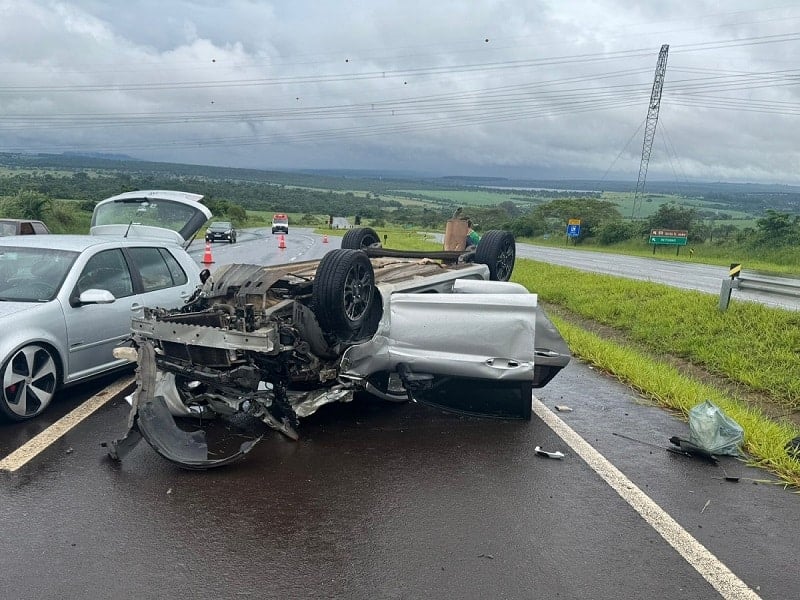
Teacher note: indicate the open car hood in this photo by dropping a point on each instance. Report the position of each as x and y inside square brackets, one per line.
[153, 214]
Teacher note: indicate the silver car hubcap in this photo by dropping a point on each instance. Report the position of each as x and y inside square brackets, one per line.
[357, 292]
[29, 381]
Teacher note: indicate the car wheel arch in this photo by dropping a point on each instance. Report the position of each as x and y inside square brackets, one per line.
[58, 363]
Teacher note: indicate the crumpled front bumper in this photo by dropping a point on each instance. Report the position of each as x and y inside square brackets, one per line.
[151, 419]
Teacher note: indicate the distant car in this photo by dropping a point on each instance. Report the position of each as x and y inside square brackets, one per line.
[22, 227]
[66, 300]
[277, 342]
[280, 223]
[221, 231]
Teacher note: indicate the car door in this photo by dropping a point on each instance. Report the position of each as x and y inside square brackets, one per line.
[94, 330]
[164, 282]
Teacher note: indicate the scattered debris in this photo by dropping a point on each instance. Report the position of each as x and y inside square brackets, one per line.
[793, 448]
[563, 408]
[705, 506]
[69, 451]
[627, 437]
[169, 491]
[713, 431]
[484, 556]
[686, 448]
[732, 478]
[541, 452]
[690, 449]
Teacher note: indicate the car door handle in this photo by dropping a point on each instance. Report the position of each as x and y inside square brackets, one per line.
[502, 363]
[136, 306]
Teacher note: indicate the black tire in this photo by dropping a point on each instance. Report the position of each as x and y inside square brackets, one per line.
[29, 378]
[360, 238]
[344, 286]
[498, 251]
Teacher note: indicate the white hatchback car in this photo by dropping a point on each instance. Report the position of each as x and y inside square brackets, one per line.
[67, 300]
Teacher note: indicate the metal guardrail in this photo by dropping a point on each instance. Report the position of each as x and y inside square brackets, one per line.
[767, 285]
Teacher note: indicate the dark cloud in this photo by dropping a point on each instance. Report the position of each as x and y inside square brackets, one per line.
[559, 88]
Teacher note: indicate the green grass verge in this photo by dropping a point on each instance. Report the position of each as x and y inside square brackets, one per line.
[750, 344]
[395, 238]
[764, 439]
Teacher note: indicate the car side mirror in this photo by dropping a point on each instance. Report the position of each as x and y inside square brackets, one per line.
[204, 275]
[94, 296]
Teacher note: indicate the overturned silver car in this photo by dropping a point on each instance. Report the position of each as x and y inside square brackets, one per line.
[277, 342]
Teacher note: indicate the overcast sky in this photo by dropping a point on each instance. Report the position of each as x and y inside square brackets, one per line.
[534, 88]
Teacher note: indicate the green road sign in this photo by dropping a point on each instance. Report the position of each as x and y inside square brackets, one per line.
[672, 241]
[669, 237]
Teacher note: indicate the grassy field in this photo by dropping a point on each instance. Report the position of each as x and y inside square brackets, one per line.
[394, 237]
[469, 198]
[652, 202]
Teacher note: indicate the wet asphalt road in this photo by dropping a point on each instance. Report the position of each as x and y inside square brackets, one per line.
[390, 501]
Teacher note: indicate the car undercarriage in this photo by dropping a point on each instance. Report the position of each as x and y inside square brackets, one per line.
[275, 343]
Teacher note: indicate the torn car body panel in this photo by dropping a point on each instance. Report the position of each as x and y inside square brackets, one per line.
[486, 336]
[278, 342]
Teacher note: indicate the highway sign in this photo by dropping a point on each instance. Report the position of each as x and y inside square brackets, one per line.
[670, 237]
[574, 227]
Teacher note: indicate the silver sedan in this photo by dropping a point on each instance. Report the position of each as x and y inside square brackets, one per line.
[67, 300]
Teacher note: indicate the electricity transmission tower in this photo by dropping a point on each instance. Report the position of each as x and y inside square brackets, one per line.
[650, 126]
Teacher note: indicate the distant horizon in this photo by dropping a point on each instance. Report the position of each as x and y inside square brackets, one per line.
[410, 174]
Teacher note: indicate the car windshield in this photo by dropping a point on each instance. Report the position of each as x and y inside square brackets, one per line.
[32, 274]
[220, 225]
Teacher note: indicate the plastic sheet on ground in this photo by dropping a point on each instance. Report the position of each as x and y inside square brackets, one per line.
[714, 431]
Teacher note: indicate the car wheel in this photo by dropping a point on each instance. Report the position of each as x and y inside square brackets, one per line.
[360, 238]
[343, 289]
[497, 250]
[30, 379]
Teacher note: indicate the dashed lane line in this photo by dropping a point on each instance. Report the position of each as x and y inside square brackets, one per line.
[41, 442]
[698, 556]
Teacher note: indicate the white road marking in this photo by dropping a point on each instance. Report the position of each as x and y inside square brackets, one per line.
[698, 556]
[39, 443]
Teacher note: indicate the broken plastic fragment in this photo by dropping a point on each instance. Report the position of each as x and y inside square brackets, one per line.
[555, 454]
[793, 447]
[563, 408]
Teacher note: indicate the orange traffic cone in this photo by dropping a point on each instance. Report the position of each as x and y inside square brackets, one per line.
[207, 260]
[281, 242]
[325, 238]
